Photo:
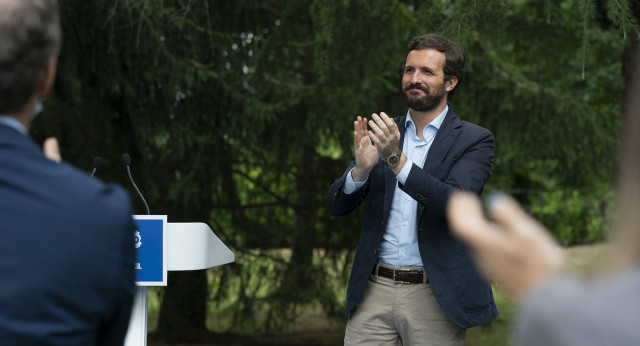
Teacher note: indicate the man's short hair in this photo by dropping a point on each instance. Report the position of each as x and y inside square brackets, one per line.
[454, 57]
[30, 36]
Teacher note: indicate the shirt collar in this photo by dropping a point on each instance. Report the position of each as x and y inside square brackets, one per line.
[13, 123]
[437, 122]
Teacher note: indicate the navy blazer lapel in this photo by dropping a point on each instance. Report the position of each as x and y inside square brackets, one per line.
[444, 140]
[390, 180]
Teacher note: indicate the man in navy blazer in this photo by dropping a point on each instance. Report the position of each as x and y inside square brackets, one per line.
[66, 241]
[412, 282]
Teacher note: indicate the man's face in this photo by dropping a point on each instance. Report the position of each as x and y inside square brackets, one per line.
[423, 80]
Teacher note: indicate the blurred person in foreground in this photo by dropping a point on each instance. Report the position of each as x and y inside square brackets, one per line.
[66, 241]
[412, 282]
[558, 308]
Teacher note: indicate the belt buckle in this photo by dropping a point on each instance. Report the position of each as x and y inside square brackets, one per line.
[398, 281]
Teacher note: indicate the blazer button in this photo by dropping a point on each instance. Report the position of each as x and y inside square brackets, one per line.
[335, 194]
[420, 197]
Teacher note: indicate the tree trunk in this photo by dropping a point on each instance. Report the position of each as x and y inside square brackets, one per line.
[184, 309]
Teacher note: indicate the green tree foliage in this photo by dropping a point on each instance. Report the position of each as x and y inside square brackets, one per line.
[239, 113]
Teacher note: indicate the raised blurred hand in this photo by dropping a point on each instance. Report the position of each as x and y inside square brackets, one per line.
[512, 249]
[51, 149]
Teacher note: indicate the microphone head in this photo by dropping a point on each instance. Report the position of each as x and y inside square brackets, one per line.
[96, 162]
[126, 159]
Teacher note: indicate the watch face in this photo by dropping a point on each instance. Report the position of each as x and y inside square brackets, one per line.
[393, 160]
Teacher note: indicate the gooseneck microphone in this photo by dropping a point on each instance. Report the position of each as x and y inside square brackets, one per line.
[126, 159]
[96, 164]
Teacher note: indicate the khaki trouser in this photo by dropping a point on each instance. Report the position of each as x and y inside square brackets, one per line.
[400, 314]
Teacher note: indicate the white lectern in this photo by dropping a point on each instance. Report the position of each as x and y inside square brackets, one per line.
[166, 246]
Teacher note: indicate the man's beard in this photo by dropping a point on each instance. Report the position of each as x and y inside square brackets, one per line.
[426, 103]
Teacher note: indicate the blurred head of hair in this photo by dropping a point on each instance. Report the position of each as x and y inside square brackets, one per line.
[30, 36]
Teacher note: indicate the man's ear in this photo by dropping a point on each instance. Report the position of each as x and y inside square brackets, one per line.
[451, 83]
[47, 78]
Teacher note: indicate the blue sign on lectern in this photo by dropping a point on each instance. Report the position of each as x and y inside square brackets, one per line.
[151, 250]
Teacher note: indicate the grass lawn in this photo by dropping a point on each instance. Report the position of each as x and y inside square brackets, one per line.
[312, 327]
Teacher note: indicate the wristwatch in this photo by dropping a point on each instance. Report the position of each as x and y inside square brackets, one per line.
[393, 160]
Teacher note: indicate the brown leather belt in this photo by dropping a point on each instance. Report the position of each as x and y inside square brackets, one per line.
[400, 275]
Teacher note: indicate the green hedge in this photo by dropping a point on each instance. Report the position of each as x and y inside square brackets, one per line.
[574, 216]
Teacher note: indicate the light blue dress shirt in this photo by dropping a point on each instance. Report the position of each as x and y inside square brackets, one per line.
[13, 123]
[399, 245]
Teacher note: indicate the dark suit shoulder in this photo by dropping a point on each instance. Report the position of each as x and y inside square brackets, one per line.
[453, 117]
[474, 128]
[77, 234]
[87, 194]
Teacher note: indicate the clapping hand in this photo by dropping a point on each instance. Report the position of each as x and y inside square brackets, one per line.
[366, 153]
[385, 134]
